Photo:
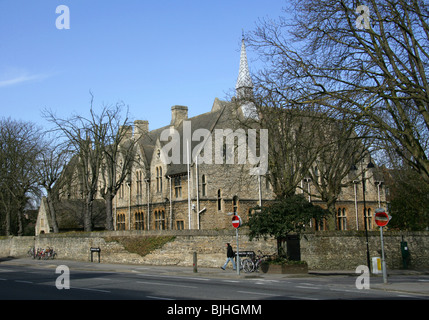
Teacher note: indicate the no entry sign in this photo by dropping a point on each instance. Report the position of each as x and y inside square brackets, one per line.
[236, 221]
[381, 218]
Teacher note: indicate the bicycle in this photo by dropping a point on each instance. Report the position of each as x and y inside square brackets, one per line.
[50, 253]
[253, 264]
[31, 252]
[244, 258]
[45, 254]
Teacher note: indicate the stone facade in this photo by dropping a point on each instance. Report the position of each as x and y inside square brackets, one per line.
[322, 250]
[157, 196]
[164, 193]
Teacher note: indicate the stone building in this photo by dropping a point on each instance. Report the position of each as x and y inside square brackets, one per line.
[165, 191]
[203, 195]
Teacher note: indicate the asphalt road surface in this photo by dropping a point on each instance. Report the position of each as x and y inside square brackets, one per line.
[46, 282]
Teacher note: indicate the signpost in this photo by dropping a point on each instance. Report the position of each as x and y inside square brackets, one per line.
[382, 219]
[236, 223]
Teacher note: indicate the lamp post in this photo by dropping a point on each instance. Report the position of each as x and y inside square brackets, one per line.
[365, 214]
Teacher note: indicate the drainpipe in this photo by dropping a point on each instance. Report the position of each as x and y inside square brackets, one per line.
[148, 205]
[197, 187]
[171, 207]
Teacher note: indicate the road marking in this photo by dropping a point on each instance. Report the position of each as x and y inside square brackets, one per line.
[200, 279]
[306, 287]
[171, 277]
[349, 290]
[167, 284]
[303, 298]
[158, 298]
[257, 293]
[90, 289]
[23, 281]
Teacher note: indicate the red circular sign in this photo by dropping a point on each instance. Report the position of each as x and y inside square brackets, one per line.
[381, 219]
[236, 221]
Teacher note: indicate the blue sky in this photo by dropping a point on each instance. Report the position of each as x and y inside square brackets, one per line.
[149, 54]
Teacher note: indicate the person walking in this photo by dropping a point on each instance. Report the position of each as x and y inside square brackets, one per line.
[229, 257]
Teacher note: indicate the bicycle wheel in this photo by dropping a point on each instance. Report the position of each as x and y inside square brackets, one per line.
[247, 265]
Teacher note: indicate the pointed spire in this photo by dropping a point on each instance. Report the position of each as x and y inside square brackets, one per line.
[244, 86]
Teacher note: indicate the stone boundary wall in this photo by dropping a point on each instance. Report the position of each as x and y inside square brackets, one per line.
[325, 250]
[345, 250]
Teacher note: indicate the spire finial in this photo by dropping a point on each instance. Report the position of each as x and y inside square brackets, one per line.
[244, 85]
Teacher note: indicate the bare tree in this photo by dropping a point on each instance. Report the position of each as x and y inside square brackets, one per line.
[374, 73]
[99, 142]
[339, 149]
[85, 138]
[118, 156]
[291, 148]
[51, 162]
[20, 144]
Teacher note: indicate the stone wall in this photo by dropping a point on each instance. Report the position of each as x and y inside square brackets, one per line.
[322, 250]
[15, 246]
[347, 249]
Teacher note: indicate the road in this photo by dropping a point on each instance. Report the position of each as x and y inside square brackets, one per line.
[41, 280]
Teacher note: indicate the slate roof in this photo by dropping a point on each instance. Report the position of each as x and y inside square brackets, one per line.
[203, 121]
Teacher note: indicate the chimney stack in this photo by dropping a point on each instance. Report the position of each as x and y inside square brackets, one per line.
[178, 114]
[141, 127]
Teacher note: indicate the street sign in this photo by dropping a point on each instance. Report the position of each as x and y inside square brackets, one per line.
[236, 221]
[381, 218]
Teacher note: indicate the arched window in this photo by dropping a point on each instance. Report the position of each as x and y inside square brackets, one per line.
[341, 219]
[155, 213]
[368, 218]
[159, 220]
[219, 200]
[139, 183]
[120, 221]
[157, 179]
[160, 179]
[139, 220]
[177, 187]
[204, 185]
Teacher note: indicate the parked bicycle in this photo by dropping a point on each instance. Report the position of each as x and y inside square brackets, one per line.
[45, 254]
[252, 264]
[31, 252]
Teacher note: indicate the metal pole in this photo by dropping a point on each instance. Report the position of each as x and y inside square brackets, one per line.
[356, 206]
[365, 216]
[189, 185]
[171, 206]
[195, 262]
[198, 191]
[383, 261]
[238, 255]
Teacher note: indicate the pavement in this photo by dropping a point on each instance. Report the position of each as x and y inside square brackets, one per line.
[405, 281]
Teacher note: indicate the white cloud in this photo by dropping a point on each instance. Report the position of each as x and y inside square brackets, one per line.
[21, 78]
